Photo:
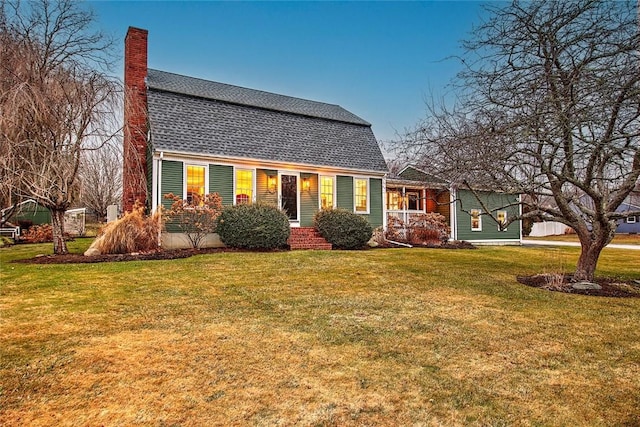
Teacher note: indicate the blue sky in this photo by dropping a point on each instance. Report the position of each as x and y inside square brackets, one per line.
[380, 60]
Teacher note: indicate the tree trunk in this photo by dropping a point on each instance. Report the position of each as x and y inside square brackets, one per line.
[586, 268]
[592, 242]
[57, 225]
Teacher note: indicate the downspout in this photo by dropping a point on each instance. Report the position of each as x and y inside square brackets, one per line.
[453, 217]
[520, 213]
[384, 205]
[159, 199]
[406, 245]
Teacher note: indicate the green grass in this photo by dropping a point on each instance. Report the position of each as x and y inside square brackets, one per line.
[380, 337]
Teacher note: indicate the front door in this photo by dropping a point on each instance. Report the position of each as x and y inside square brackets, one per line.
[289, 195]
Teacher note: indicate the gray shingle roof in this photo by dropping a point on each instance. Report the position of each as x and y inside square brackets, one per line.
[201, 117]
[239, 95]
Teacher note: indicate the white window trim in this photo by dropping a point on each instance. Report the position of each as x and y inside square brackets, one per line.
[479, 228]
[368, 194]
[630, 220]
[253, 182]
[505, 218]
[335, 187]
[185, 165]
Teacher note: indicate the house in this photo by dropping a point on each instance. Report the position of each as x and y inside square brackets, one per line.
[471, 215]
[631, 223]
[191, 136]
[29, 212]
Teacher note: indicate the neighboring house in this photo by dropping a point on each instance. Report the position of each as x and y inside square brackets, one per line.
[631, 223]
[628, 225]
[193, 136]
[29, 212]
[414, 191]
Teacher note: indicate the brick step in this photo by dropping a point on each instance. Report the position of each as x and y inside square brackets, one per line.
[307, 238]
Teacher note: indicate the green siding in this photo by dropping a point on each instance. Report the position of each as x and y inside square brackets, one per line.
[149, 176]
[221, 182]
[493, 201]
[344, 198]
[308, 199]
[33, 212]
[416, 175]
[262, 192]
[172, 176]
[375, 202]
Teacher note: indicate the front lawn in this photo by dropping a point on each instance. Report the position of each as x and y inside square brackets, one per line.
[378, 337]
[619, 239]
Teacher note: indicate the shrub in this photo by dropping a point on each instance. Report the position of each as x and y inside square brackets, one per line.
[342, 228]
[196, 219]
[253, 226]
[134, 232]
[422, 229]
[396, 230]
[429, 229]
[38, 234]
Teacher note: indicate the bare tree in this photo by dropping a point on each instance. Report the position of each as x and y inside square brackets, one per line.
[56, 98]
[100, 178]
[549, 107]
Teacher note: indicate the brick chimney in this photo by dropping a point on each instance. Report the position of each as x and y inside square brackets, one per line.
[134, 179]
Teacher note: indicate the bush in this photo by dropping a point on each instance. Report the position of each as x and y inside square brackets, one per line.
[134, 232]
[38, 234]
[428, 229]
[195, 219]
[342, 228]
[253, 226]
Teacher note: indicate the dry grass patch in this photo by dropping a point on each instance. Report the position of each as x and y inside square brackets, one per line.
[381, 337]
[619, 239]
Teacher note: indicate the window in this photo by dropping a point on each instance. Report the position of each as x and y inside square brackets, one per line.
[394, 199]
[476, 220]
[502, 220]
[195, 183]
[244, 186]
[414, 202]
[361, 195]
[326, 192]
[630, 220]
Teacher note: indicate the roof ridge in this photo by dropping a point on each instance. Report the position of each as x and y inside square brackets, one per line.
[246, 88]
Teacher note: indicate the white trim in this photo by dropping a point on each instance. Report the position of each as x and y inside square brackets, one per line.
[185, 165]
[335, 189]
[368, 194]
[253, 182]
[505, 218]
[156, 179]
[384, 203]
[292, 222]
[479, 227]
[627, 219]
[453, 213]
[495, 242]
[520, 215]
[269, 164]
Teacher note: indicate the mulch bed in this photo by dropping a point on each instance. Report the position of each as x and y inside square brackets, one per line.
[141, 256]
[611, 287]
